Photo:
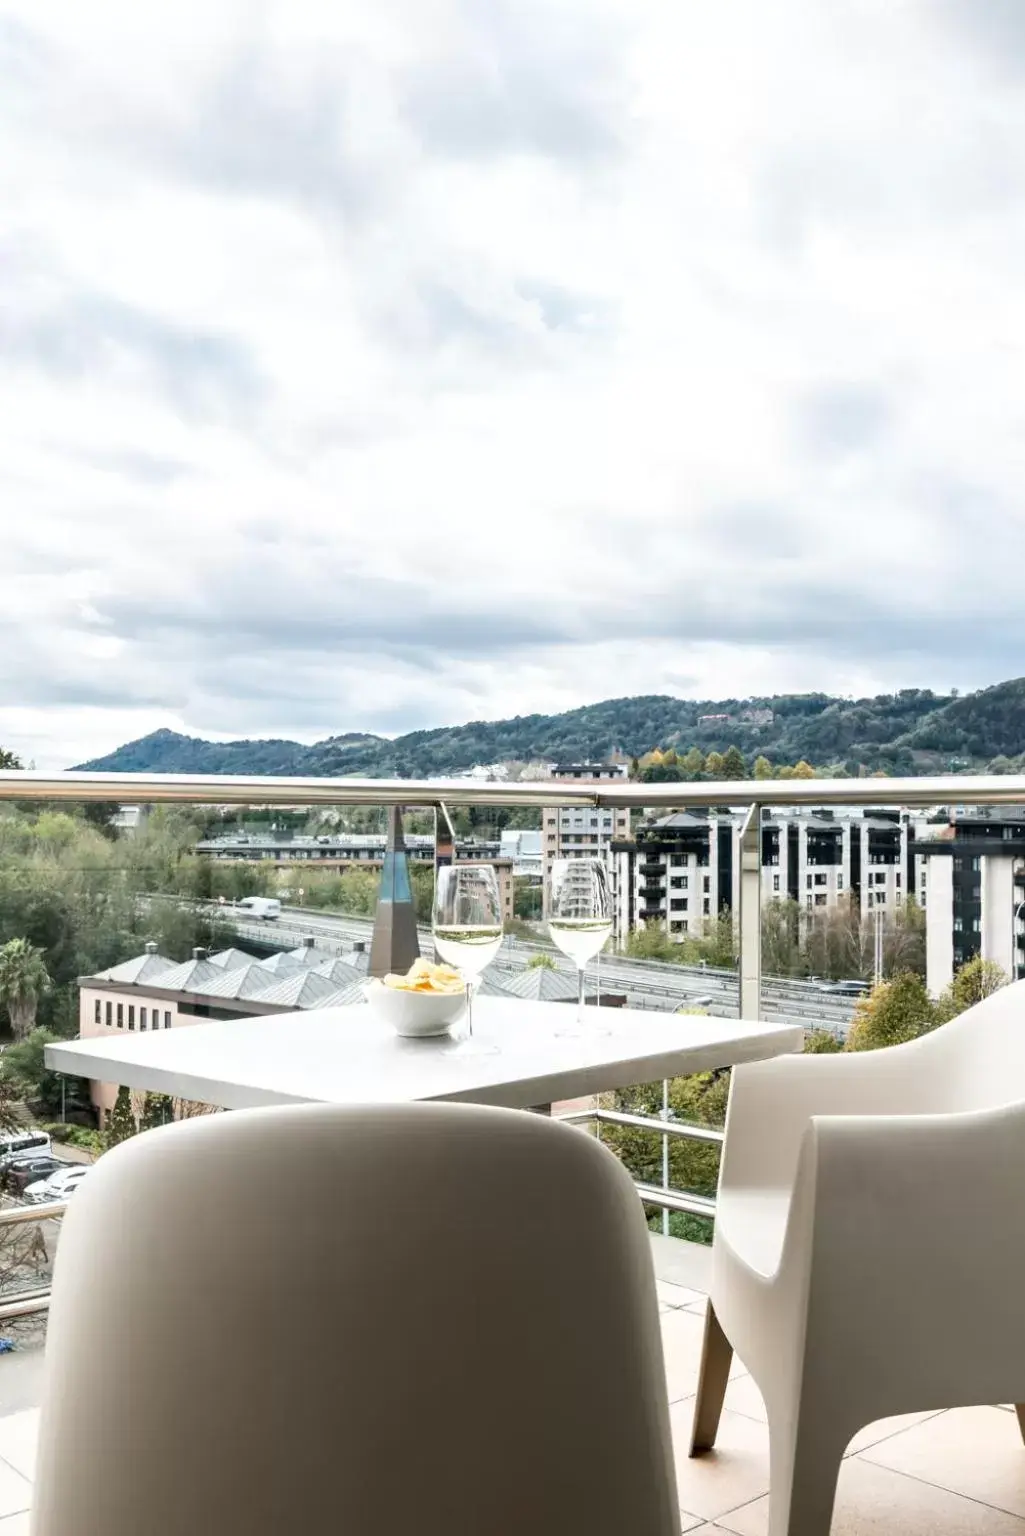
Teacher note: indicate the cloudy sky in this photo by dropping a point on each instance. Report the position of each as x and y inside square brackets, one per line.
[375, 366]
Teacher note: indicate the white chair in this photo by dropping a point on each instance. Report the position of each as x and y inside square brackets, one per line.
[869, 1254]
[437, 1319]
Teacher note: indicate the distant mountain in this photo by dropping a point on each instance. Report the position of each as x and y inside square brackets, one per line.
[913, 731]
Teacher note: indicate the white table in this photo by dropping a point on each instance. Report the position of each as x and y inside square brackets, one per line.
[345, 1056]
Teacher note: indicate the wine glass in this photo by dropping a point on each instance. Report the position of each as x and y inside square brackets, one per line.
[579, 919]
[468, 924]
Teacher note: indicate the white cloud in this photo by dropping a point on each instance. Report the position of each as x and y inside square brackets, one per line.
[381, 367]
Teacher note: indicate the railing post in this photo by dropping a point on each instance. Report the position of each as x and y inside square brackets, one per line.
[749, 961]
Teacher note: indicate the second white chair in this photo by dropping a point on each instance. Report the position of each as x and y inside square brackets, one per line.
[869, 1249]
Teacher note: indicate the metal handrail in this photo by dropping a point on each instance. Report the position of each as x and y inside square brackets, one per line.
[644, 1123]
[245, 789]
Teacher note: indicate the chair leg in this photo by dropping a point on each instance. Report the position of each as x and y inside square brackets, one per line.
[716, 1359]
[804, 1464]
[1019, 1409]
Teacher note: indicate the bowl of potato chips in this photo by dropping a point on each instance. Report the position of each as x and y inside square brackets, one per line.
[425, 1001]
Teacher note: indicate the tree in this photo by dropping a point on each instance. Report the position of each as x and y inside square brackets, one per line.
[821, 1042]
[157, 1109]
[762, 768]
[733, 764]
[803, 770]
[541, 962]
[975, 980]
[10, 759]
[24, 980]
[893, 1012]
[121, 1124]
[714, 764]
[45, 1092]
[692, 763]
[650, 942]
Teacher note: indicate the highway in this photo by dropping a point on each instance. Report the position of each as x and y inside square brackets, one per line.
[646, 983]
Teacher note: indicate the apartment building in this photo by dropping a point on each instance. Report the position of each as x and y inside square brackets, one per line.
[684, 869]
[582, 831]
[970, 877]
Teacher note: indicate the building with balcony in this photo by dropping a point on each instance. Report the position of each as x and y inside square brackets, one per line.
[970, 877]
[581, 831]
[683, 870]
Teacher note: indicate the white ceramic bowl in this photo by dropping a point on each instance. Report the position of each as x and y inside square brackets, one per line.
[415, 1014]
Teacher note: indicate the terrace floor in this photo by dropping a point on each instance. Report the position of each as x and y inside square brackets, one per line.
[958, 1473]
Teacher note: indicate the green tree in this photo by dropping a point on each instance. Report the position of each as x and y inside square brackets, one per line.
[718, 943]
[121, 1124]
[762, 768]
[45, 1092]
[822, 1042]
[693, 763]
[803, 770]
[892, 1013]
[157, 1109]
[541, 962]
[527, 900]
[714, 764]
[24, 981]
[975, 980]
[10, 759]
[733, 764]
[650, 942]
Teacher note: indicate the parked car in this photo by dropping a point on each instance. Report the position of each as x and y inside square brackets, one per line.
[59, 1186]
[23, 1171]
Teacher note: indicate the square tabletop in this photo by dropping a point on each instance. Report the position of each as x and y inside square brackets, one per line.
[348, 1056]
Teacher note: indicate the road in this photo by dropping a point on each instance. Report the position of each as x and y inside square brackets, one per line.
[650, 983]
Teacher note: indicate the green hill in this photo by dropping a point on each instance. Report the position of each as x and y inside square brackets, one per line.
[910, 732]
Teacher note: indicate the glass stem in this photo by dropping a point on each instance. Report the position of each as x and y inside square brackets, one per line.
[580, 995]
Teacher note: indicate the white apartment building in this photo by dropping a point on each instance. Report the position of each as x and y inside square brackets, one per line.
[970, 877]
[582, 831]
[684, 869]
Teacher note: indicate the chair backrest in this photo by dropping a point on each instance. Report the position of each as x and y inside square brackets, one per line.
[977, 1061]
[435, 1319]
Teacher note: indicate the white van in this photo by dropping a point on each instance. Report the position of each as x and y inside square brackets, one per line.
[16, 1144]
[267, 907]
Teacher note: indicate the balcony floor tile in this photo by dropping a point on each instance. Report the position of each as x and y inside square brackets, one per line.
[682, 1334]
[18, 1435]
[976, 1452]
[874, 1501]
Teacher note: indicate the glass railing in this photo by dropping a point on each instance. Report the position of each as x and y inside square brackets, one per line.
[88, 895]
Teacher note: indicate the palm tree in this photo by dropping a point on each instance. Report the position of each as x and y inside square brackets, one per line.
[23, 981]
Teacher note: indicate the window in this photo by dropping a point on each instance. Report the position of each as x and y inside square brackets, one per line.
[678, 925]
[167, 1021]
[808, 881]
[708, 883]
[677, 883]
[820, 899]
[809, 898]
[707, 906]
[109, 1011]
[775, 882]
[131, 1015]
[976, 864]
[120, 1015]
[958, 925]
[142, 1018]
[839, 882]
[958, 865]
[976, 924]
[868, 899]
[896, 880]
[97, 1012]
[820, 879]
[678, 904]
[976, 892]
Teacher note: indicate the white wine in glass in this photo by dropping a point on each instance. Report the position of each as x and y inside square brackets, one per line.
[467, 923]
[579, 917]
